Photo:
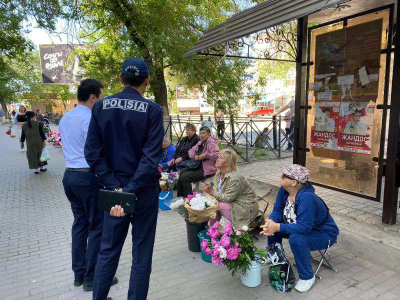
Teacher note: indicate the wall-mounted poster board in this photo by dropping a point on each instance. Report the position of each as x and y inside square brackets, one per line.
[59, 63]
[346, 83]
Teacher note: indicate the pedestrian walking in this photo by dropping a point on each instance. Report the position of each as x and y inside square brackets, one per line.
[32, 132]
[39, 115]
[290, 126]
[18, 121]
[219, 119]
[123, 149]
[81, 186]
[2, 116]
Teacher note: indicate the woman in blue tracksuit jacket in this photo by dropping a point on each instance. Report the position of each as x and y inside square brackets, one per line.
[300, 215]
[168, 154]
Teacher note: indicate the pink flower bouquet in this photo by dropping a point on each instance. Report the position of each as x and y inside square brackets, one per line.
[233, 248]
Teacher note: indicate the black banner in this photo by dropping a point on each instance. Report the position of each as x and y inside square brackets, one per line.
[59, 64]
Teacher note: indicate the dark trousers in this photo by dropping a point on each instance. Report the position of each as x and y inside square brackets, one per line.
[220, 129]
[301, 245]
[82, 191]
[115, 229]
[186, 178]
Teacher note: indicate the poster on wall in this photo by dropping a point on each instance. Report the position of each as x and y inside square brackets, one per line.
[355, 127]
[345, 87]
[59, 63]
[324, 133]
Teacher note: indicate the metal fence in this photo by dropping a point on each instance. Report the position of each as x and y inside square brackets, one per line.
[250, 138]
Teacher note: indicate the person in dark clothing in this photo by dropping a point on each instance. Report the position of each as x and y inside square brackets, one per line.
[123, 149]
[181, 155]
[302, 217]
[32, 131]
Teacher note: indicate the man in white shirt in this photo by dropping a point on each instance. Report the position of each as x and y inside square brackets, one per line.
[81, 186]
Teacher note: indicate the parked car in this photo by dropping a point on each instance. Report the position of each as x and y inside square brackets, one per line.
[261, 111]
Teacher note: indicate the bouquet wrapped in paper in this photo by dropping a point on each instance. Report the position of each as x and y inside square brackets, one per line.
[201, 207]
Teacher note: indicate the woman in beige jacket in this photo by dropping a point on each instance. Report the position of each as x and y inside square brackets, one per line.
[236, 198]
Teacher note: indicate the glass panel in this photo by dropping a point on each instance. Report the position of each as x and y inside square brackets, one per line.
[346, 83]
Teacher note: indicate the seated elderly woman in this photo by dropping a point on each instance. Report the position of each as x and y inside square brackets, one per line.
[237, 199]
[181, 156]
[202, 164]
[167, 154]
[303, 217]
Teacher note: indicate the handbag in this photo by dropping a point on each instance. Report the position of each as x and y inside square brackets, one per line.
[45, 155]
[192, 164]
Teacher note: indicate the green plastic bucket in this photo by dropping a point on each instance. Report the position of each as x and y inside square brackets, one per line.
[203, 235]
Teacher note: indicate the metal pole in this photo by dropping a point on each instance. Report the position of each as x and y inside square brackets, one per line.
[280, 138]
[233, 129]
[170, 128]
[390, 197]
[247, 143]
[274, 131]
[299, 155]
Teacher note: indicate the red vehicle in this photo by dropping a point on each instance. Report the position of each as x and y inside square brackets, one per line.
[261, 111]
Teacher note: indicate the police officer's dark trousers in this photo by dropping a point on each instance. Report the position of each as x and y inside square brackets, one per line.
[82, 189]
[115, 229]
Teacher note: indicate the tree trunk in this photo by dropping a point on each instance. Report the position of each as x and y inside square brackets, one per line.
[159, 89]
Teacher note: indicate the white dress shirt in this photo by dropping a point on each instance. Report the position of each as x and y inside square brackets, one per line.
[73, 129]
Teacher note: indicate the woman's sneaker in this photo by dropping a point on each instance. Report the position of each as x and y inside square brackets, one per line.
[43, 169]
[37, 171]
[304, 286]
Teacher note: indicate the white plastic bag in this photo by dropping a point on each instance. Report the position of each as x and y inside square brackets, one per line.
[45, 155]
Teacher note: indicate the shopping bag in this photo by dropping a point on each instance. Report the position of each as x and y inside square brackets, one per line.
[45, 155]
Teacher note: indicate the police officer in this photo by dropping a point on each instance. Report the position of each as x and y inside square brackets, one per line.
[80, 186]
[123, 149]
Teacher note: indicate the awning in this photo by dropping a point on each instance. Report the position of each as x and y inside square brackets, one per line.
[265, 15]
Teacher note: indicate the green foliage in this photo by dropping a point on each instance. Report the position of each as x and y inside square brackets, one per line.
[248, 254]
[160, 32]
[260, 152]
[275, 69]
[18, 73]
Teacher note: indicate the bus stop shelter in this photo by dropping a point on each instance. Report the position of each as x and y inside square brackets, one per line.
[346, 123]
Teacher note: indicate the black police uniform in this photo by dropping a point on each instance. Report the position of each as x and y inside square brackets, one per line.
[123, 149]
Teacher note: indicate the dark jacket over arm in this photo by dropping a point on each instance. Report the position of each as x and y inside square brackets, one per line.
[182, 150]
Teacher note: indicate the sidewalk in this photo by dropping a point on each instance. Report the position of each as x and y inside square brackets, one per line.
[35, 261]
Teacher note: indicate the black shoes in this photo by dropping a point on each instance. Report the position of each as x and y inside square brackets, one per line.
[78, 282]
[88, 286]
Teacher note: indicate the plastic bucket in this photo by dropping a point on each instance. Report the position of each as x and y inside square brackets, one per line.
[203, 235]
[193, 230]
[165, 196]
[253, 276]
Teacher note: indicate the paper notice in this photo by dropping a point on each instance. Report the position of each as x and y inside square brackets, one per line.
[317, 85]
[363, 76]
[373, 77]
[325, 96]
[348, 79]
[322, 76]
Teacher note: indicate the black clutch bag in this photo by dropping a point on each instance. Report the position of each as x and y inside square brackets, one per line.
[108, 199]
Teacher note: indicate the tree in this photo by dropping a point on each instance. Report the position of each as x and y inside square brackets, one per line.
[283, 41]
[160, 32]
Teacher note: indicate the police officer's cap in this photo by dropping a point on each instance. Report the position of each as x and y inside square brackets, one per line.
[136, 67]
